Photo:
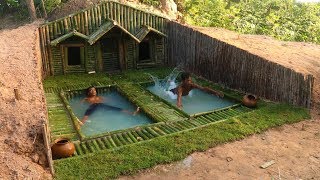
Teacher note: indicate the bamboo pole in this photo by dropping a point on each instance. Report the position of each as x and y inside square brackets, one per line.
[111, 11]
[118, 11]
[75, 23]
[86, 23]
[47, 146]
[49, 50]
[131, 15]
[104, 13]
[43, 53]
[127, 138]
[78, 149]
[66, 25]
[101, 144]
[93, 20]
[78, 22]
[124, 17]
[70, 23]
[111, 141]
[89, 22]
[96, 19]
[99, 15]
[138, 20]
[120, 16]
[108, 10]
[55, 30]
[122, 139]
[132, 137]
[51, 31]
[82, 24]
[106, 143]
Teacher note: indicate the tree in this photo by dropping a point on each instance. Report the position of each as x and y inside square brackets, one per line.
[31, 9]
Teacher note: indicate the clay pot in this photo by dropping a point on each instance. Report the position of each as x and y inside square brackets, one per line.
[62, 148]
[250, 100]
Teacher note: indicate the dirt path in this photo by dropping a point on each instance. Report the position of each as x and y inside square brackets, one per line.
[294, 148]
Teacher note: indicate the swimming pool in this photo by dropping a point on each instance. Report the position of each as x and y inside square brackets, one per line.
[101, 120]
[196, 102]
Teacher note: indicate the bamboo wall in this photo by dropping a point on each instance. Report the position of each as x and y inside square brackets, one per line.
[89, 20]
[236, 68]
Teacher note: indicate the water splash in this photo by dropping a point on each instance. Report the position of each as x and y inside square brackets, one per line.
[164, 86]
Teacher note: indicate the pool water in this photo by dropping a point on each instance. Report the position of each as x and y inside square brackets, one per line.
[108, 120]
[196, 102]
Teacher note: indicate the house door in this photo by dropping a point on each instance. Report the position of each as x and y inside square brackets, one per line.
[110, 54]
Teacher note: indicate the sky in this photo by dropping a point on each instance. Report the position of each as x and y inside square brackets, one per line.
[308, 0]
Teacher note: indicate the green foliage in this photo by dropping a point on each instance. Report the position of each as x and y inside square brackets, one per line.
[19, 10]
[50, 5]
[202, 11]
[14, 7]
[282, 19]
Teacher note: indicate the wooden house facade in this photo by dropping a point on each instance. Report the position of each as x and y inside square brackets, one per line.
[104, 38]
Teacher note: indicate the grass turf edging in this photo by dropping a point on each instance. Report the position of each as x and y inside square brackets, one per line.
[112, 163]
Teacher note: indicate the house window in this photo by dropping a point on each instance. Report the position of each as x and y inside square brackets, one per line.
[144, 50]
[74, 55]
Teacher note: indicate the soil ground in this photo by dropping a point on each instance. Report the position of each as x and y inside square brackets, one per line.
[294, 148]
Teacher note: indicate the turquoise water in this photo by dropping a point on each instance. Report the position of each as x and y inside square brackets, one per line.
[197, 101]
[108, 120]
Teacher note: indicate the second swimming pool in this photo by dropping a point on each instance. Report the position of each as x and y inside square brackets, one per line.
[196, 102]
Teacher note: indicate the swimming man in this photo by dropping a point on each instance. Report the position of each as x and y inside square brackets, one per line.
[186, 86]
[96, 102]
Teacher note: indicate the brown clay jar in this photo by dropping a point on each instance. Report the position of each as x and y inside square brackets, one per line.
[250, 100]
[62, 148]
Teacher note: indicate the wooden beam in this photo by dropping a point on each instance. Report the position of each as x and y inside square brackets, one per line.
[100, 32]
[66, 36]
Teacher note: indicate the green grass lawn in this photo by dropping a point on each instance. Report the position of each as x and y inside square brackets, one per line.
[129, 159]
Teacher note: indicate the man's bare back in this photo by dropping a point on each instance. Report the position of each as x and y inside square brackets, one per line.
[186, 86]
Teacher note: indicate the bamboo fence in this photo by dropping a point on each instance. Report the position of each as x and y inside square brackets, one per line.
[233, 67]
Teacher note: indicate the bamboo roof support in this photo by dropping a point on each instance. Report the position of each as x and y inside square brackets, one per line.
[144, 31]
[127, 32]
[66, 36]
[101, 31]
[95, 36]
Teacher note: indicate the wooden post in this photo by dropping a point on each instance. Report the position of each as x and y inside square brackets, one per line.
[47, 147]
[121, 54]
[99, 57]
[17, 94]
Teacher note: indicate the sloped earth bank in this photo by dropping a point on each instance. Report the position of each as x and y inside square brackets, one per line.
[21, 144]
[294, 148]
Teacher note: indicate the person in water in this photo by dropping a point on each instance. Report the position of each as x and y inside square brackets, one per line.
[187, 85]
[97, 102]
